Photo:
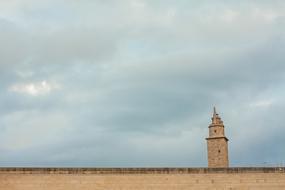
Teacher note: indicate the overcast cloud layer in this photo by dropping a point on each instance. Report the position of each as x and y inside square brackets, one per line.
[132, 83]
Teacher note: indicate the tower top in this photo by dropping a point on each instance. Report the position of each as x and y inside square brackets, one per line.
[216, 119]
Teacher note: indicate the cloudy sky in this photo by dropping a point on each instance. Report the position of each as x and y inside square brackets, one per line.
[132, 83]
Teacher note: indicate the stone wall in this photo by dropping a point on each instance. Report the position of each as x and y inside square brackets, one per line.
[217, 152]
[142, 178]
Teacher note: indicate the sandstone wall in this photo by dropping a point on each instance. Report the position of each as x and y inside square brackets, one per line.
[142, 179]
[217, 152]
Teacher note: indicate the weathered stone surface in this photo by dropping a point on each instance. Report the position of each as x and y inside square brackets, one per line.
[141, 178]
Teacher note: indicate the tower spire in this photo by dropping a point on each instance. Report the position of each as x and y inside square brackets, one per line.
[215, 113]
[216, 118]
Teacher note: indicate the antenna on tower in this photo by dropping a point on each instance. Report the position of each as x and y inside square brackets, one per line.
[215, 112]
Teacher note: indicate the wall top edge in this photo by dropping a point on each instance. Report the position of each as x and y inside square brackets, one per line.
[18, 170]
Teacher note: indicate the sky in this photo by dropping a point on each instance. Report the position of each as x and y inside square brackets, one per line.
[132, 83]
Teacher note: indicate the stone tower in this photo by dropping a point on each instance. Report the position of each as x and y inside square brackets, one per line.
[217, 143]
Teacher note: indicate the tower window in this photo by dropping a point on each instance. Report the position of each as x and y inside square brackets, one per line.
[219, 151]
[215, 131]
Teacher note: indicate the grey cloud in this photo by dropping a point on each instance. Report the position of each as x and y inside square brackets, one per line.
[13, 44]
[140, 85]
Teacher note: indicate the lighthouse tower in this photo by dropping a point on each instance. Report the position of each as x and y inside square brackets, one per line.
[217, 143]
